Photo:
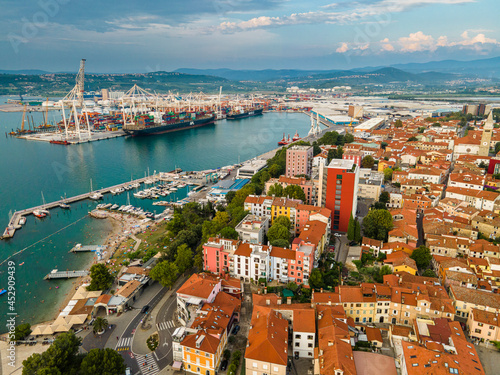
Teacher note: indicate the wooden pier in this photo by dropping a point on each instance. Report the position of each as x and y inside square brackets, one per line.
[56, 274]
[14, 221]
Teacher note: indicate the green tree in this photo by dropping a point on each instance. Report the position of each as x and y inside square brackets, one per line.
[236, 356]
[276, 190]
[278, 231]
[22, 331]
[377, 224]
[383, 145]
[316, 149]
[100, 278]
[349, 138]
[276, 170]
[229, 196]
[283, 220]
[184, 258]
[100, 324]
[398, 123]
[388, 174]
[497, 148]
[294, 192]
[280, 242]
[165, 273]
[198, 260]
[226, 355]
[367, 162]
[316, 279]
[421, 129]
[60, 358]
[412, 139]
[384, 197]
[429, 273]
[351, 228]
[357, 231]
[102, 362]
[229, 233]
[422, 256]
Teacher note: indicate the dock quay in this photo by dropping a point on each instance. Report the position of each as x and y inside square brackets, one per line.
[14, 221]
[73, 139]
[89, 248]
[56, 274]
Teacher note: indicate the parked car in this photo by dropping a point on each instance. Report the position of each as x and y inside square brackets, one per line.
[337, 235]
[236, 329]
[223, 365]
[145, 309]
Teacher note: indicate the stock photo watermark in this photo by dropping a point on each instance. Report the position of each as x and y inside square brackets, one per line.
[31, 26]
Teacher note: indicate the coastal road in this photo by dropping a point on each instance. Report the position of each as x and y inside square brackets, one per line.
[166, 324]
[124, 342]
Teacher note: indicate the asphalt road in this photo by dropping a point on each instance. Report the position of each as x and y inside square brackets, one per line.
[124, 343]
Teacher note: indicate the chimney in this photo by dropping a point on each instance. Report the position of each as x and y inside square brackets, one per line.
[265, 290]
[258, 313]
[288, 300]
[279, 301]
[268, 301]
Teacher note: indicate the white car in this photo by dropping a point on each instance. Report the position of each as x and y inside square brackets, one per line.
[337, 235]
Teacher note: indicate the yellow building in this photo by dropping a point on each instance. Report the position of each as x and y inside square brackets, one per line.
[202, 352]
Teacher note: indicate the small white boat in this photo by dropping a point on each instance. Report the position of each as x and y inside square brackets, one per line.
[95, 196]
[114, 207]
[40, 213]
[22, 220]
[64, 205]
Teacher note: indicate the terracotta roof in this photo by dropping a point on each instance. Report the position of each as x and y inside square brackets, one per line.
[199, 285]
[373, 334]
[485, 317]
[279, 252]
[210, 340]
[478, 297]
[268, 336]
[304, 321]
[103, 298]
[129, 288]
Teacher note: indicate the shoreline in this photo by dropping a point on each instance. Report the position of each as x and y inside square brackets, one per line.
[122, 225]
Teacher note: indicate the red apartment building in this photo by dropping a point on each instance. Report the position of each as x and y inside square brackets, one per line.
[339, 191]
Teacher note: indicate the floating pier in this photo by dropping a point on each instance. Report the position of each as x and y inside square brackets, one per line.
[94, 248]
[56, 274]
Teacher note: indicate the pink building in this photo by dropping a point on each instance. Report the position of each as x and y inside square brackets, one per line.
[299, 160]
[217, 253]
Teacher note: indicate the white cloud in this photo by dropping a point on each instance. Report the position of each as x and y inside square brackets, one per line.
[348, 12]
[386, 45]
[417, 42]
[343, 48]
[478, 39]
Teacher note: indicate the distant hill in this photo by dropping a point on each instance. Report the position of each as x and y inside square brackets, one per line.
[254, 75]
[378, 75]
[489, 68]
[33, 72]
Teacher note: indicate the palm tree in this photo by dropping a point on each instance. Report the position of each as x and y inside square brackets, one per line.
[100, 324]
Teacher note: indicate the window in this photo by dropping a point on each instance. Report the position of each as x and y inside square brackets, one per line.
[310, 337]
[297, 344]
[254, 365]
[309, 345]
[297, 336]
[264, 367]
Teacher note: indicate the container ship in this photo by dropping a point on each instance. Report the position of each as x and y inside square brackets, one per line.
[153, 124]
[239, 113]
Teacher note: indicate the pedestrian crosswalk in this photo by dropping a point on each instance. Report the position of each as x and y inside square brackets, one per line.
[147, 364]
[124, 344]
[165, 325]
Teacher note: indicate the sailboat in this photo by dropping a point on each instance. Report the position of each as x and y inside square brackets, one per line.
[94, 196]
[42, 212]
[63, 203]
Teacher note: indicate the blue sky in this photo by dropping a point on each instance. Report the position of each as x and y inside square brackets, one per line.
[134, 36]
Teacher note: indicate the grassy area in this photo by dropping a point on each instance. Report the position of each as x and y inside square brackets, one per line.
[120, 256]
[152, 236]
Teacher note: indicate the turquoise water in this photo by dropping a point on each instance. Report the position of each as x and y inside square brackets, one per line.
[28, 168]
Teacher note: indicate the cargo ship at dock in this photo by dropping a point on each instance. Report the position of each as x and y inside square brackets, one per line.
[169, 122]
[239, 113]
